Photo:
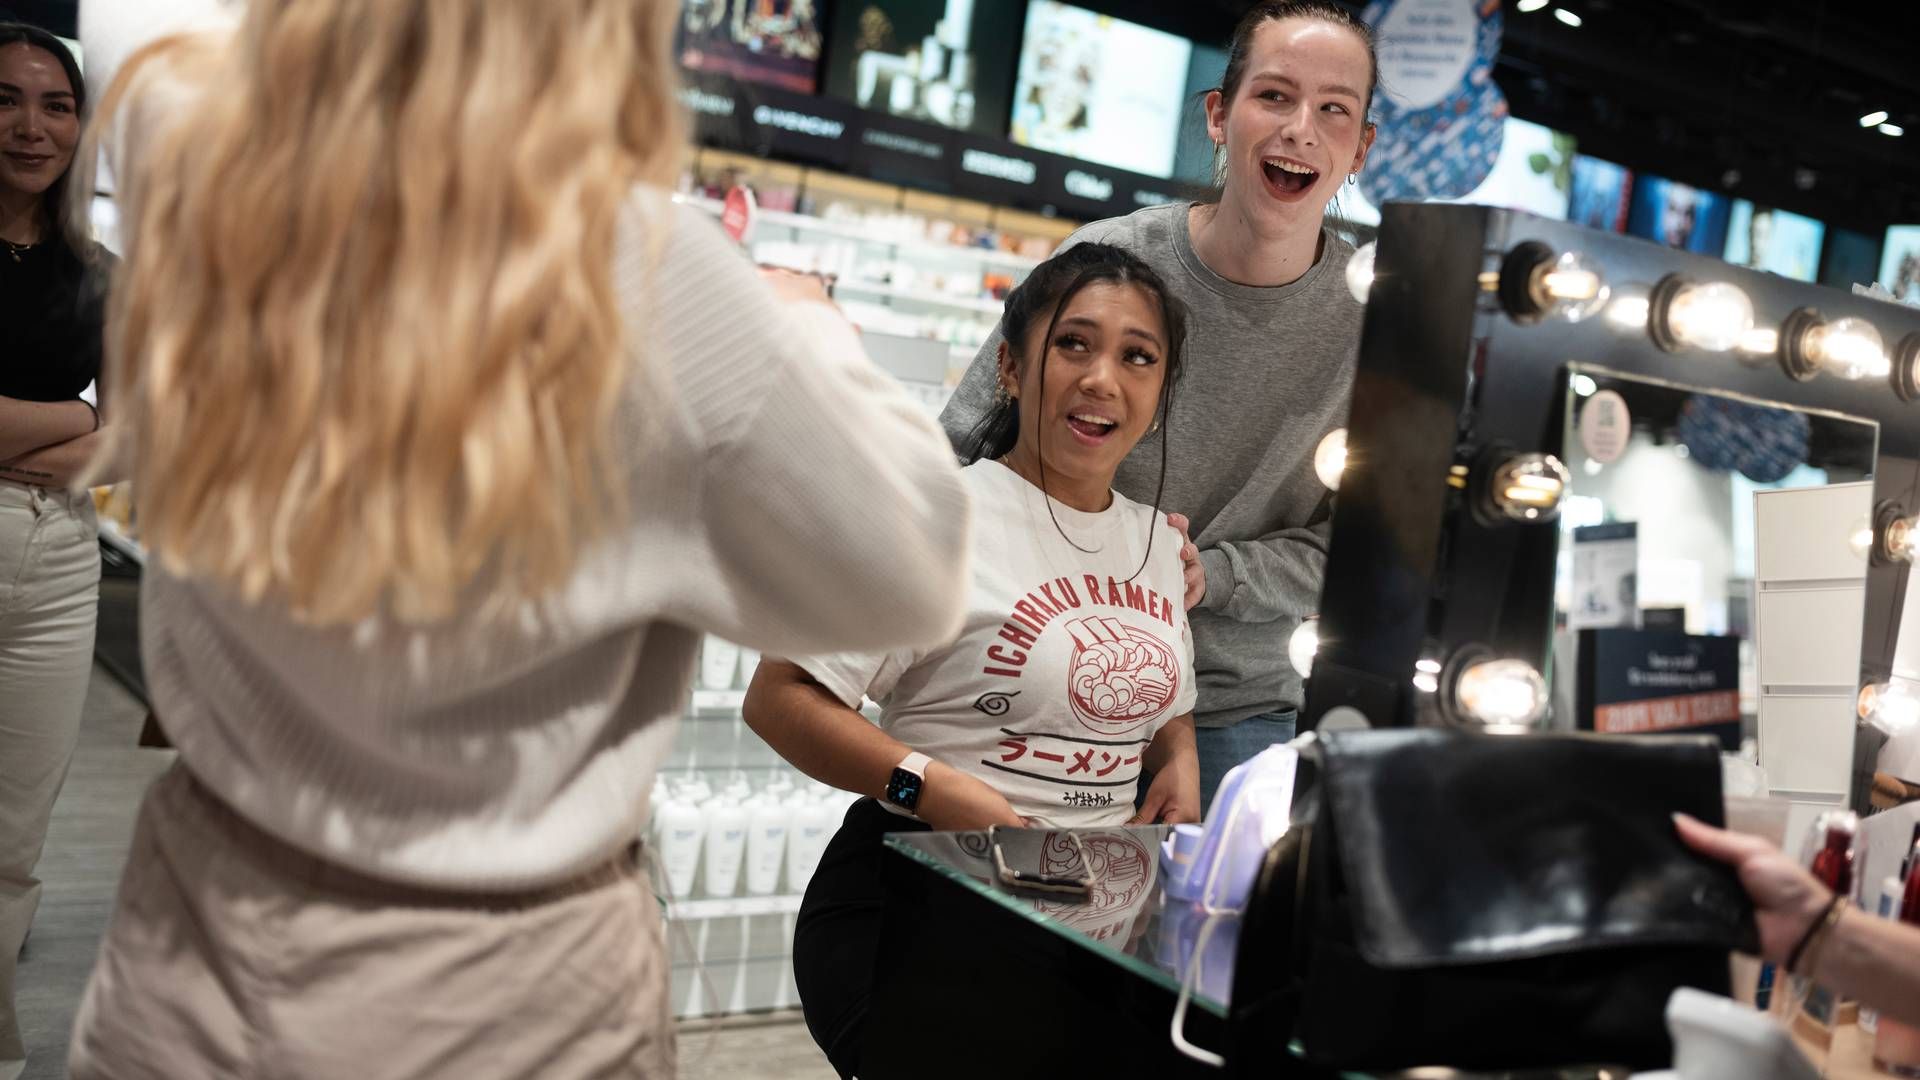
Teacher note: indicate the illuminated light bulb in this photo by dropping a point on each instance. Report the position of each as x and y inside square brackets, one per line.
[1505, 696]
[1567, 17]
[1530, 6]
[1629, 311]
[1569, 287]
[1850, 348]
[1894, 130]
[1303, 645]
[1902, 535]
[1760, 341]
[1713, 316]
[1891, 707]
[1528, 487]
[1431, 667]
[1583, 385]
[1874, 118]
[1360, 272]
[1426, 683]
[1860, 538]
[1330, 458]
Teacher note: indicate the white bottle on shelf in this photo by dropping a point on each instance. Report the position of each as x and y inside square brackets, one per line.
[766, 844]
[813, 826]
[719, 663]
[727, 823]
[678, 830]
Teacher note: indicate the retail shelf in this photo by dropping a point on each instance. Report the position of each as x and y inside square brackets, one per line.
[850, 231]
[727, 907]
[847, 230]
[115, 537]
[707, 702]
[921, 296]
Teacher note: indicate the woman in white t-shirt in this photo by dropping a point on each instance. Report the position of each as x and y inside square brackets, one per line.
[1073, 672]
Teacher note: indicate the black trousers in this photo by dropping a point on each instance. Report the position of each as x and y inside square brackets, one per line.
[836, 938]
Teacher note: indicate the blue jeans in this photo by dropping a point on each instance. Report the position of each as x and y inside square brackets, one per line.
[1222, 748]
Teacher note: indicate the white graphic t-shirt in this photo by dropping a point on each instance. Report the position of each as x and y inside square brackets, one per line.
[1066, 667]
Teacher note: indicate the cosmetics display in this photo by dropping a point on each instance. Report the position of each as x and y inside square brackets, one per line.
[1896, 1045]
[735, 834]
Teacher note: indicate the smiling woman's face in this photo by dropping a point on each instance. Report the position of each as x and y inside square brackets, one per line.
[1105, 368]
[39, 119]
[1297, 123]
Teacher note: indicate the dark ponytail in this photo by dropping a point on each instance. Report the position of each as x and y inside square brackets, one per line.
[1047, 291]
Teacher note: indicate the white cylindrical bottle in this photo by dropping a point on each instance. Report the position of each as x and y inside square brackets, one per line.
[813, 827]
[766, 845]
[719, 663]
[678, 830]
[727, 823]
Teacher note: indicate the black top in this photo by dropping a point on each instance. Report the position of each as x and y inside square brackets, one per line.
[52, 323]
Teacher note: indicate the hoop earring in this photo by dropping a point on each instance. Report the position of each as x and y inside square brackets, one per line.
[1353, 179]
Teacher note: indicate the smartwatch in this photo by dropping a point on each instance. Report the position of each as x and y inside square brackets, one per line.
[909, 781]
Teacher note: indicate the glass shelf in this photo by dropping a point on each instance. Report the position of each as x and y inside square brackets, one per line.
[1128, 921]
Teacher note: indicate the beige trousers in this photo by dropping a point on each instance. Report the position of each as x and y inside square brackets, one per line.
[231, 954]
[49, 600]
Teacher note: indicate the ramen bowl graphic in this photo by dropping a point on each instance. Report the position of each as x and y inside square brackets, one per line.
[1121, 677]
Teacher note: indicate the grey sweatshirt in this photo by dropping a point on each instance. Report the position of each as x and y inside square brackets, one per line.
[1269, 372]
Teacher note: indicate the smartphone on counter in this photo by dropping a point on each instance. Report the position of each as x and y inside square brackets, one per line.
[1041, 860]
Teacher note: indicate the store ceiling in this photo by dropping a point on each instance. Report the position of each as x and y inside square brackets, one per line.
[1757, 97]
[1761, 98]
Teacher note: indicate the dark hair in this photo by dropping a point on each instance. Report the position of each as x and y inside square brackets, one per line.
[1326, 11]
[54, 203]
[1046, 292]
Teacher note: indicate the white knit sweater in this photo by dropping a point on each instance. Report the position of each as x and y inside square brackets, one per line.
[797, 502]
[790, 498]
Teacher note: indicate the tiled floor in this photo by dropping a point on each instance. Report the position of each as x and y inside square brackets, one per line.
[87, 845]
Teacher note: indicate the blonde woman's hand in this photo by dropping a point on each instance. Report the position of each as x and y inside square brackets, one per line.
[1786, 899]
[957, 802]
[797, 288]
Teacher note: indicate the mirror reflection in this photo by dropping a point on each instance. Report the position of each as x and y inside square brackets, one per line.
[1712, 575]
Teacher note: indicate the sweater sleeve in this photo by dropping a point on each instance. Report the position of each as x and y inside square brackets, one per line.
[1275, 576]
[833, 515]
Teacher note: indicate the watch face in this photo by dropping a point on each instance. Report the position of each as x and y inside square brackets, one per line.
[903, 790]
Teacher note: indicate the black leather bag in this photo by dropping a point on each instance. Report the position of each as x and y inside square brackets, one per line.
[1488, 902]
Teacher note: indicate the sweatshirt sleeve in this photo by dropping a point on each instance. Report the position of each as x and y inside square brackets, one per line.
[833, 516]
[1276, 576]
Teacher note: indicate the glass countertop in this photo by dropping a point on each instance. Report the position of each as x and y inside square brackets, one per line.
[1128, 920]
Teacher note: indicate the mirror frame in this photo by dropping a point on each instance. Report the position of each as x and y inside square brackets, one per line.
[1450, 379]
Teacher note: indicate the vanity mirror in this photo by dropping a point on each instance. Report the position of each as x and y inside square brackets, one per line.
[1594, 483]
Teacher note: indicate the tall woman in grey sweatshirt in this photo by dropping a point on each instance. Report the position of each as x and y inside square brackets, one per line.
[1273, 341]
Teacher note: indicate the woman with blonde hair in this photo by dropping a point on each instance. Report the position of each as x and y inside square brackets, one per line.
[451, 435]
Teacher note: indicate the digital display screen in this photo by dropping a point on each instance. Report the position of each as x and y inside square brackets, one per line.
[1849, 258]
[1533, 172]
[1099, 89]
[1774, 240]
[1671, 213]
[1601, 194]
[1194, 158]
[948, 63]
[1900, 262]
[772, 42]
